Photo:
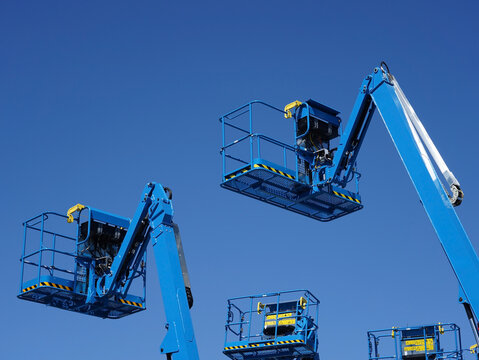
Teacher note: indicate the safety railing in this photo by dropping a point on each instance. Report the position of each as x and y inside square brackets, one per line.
[444, 342]
[254, 141]
[53, 247]
[51, 255]
[246, 318]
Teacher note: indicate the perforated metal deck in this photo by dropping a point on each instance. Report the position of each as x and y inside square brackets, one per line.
[277, 185]
[56, 292]
[292, 348]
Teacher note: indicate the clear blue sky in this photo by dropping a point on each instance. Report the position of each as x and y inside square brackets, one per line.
[98, 98]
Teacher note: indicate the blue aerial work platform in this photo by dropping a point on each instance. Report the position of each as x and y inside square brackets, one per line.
[428, 342]
[272, 326]
[94, 262]
[59, 268]
[292, 185]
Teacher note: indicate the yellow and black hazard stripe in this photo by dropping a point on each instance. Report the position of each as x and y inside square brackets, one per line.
[242, 171]
[258, 166]
[128, 302]
[29, 288]
[289, 341]
[63, 287]
[236, 347]
[346, 197]
[263, 344]
[274, 170]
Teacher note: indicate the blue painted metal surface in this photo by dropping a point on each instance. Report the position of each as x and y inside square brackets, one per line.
[438, 341]
[272, 326]
[106, 260]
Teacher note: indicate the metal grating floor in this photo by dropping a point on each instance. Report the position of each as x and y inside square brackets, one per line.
[325, 204]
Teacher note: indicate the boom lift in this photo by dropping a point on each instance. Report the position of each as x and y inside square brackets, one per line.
[319, 184]
[95, 270]
[429, 342]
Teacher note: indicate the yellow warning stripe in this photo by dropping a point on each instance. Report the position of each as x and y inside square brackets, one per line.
[263, 344]
[128, 302]
[236, 173]
[256, 166]
[58, 286]
[63, 287]
[29, 288]
[346, 197]
[274, 170]
[289, 341]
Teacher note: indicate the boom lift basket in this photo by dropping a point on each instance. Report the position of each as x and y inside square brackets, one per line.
[272, 326]
[440, 341]
[58, 260]
[287, 181]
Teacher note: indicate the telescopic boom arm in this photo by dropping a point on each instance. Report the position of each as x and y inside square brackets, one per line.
[381, 91]
[153, 222]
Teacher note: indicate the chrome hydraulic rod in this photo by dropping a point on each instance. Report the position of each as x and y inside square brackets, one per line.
[457, 194]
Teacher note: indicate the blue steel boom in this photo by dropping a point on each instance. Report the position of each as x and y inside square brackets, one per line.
[316, 187]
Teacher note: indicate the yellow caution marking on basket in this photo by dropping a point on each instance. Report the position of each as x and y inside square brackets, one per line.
[236, 347]
[258, 166]
[230, 176]
[263, 344]
[274, 170]
[50, 284]
[58, 286]
[128, 302]
[289, 341]
[29, 288]
[346, 197]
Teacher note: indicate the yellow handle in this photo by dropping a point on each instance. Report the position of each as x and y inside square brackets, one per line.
[289, 107]
[77, 207]
[260, 307]
[440, 328]
[303, 302]
[473, 349]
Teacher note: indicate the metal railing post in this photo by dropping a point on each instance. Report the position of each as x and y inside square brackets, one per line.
[250, 133]
[53, 253]
[23, 255]
[41, 249]
[259, 146]
[223, 149]
[250, 318]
